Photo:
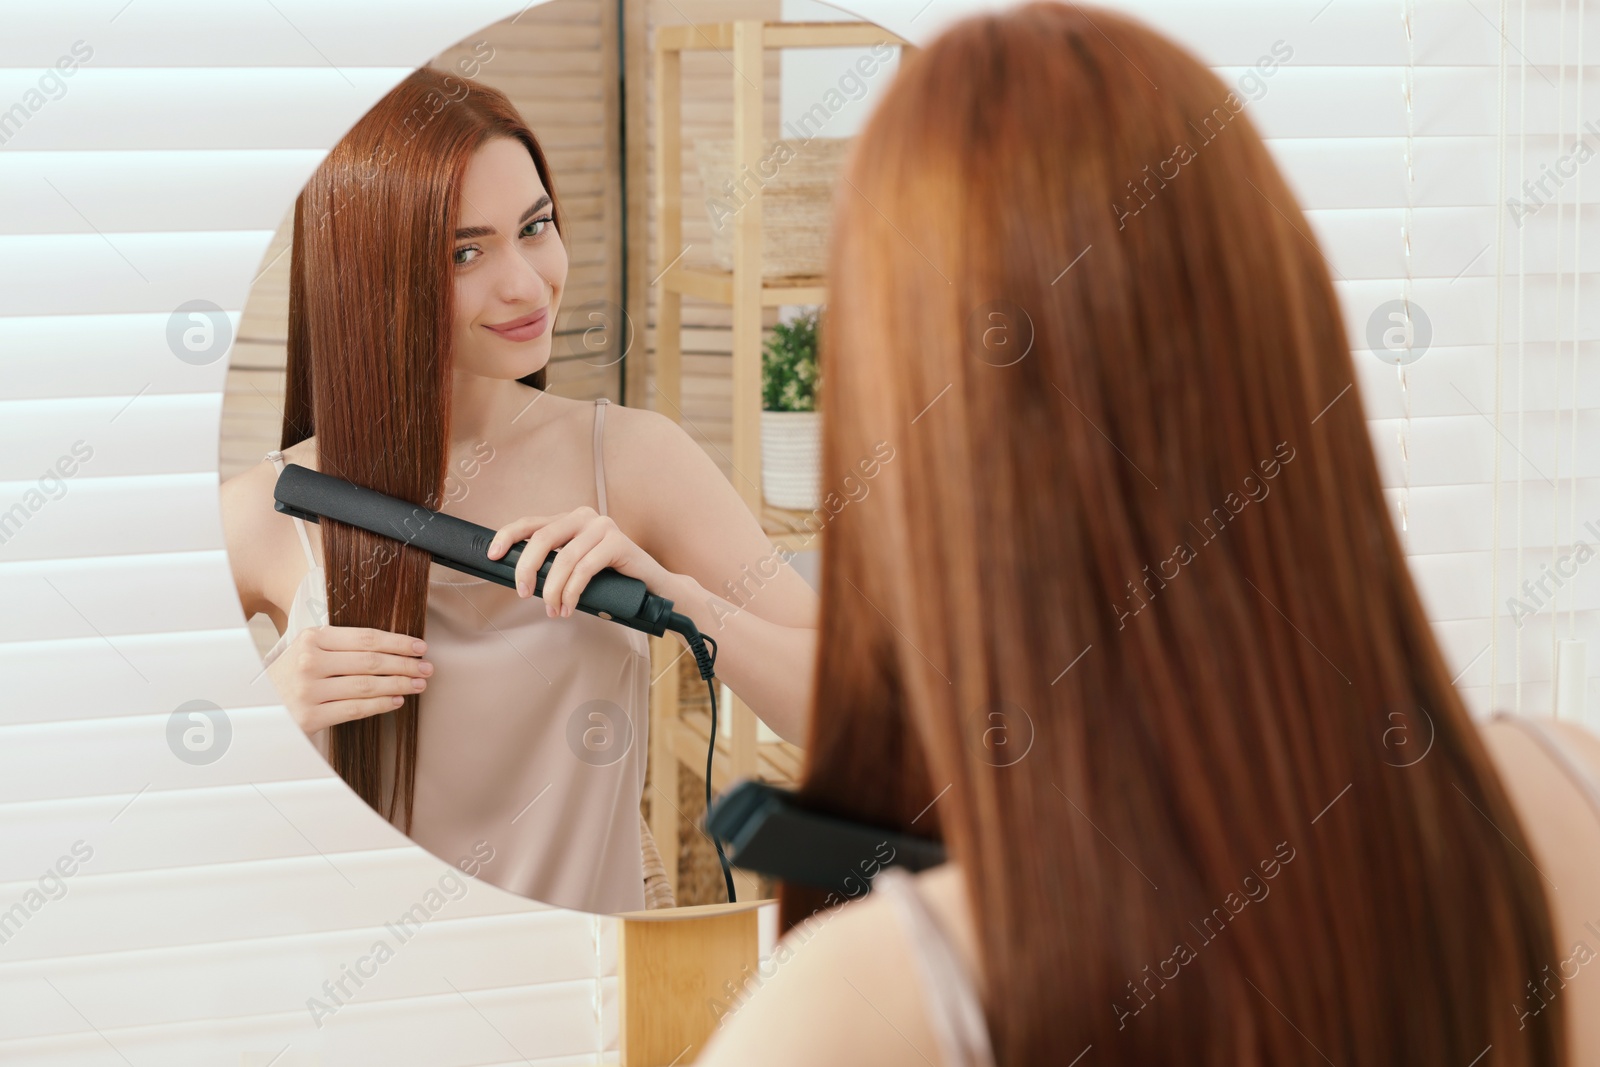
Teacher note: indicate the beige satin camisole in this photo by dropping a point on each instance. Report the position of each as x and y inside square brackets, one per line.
[532, 735]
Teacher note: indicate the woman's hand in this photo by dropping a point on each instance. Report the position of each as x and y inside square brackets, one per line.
[587, 543]
[332, 674]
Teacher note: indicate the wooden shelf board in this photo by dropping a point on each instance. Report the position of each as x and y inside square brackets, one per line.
[719, 35]
[712, 283]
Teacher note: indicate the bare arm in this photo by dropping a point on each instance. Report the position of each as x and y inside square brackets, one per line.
[247, 540]
[725, 573]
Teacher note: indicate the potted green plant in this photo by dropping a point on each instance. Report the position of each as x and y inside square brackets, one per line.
[791, 444]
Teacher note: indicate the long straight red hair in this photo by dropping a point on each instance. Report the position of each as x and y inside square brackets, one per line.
[369, 362]
[1125, 620]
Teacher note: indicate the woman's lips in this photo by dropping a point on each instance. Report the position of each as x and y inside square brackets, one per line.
[524, 329]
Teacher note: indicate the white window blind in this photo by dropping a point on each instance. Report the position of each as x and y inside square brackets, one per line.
[157, 909]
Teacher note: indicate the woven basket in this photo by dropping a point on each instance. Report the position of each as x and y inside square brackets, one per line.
[796, 201]
[657, 888]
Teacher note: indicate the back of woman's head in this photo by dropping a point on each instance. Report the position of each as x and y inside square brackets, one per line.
[1124, 618]
[369, 361]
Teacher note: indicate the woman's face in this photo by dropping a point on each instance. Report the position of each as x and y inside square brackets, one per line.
[509, 264]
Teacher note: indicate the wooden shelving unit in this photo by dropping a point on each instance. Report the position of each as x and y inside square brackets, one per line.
[675, 737]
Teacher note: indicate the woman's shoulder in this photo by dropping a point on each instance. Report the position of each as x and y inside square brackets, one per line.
[639, 428]
[254, 532]
[631, 436]
[245, 493]
[651, 464]
[1527, 750]
[1551, 771]
[848, 965]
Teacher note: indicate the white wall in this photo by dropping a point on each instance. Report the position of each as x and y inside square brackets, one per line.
[207, 902]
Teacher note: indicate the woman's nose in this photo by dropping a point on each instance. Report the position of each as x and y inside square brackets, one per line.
[520, 281]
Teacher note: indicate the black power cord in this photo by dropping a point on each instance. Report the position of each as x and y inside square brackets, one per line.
[707, 662]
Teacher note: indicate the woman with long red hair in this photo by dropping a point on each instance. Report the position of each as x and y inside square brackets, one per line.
[1127, 626]
[505, 736]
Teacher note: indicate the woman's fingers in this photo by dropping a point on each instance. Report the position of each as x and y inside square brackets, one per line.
[365, 687]
[561, 590]
[362, 671]
[331, 674]
[346, 710]
[585, 565]
[554, 532]
[333, 664]
[575, 537]
[539, 538]
[370, 666]
[366, 639]
[512, 532]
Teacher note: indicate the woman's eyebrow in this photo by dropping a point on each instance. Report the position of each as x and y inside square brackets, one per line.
[486, 231]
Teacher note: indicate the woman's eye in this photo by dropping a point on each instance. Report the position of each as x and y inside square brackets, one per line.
[467, 253]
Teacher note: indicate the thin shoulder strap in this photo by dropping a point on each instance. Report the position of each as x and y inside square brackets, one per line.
[299, 523]
[954, 1009]
[599, 465]
[1557, 749]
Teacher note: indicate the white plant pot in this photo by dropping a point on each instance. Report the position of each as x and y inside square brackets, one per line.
[791, 458]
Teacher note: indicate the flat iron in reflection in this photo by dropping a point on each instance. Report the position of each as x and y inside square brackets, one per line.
[464, 546]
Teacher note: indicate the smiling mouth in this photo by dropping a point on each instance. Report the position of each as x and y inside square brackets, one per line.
[524, 329]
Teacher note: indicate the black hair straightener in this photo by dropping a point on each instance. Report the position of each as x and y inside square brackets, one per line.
[464, 546]
[768, 831]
